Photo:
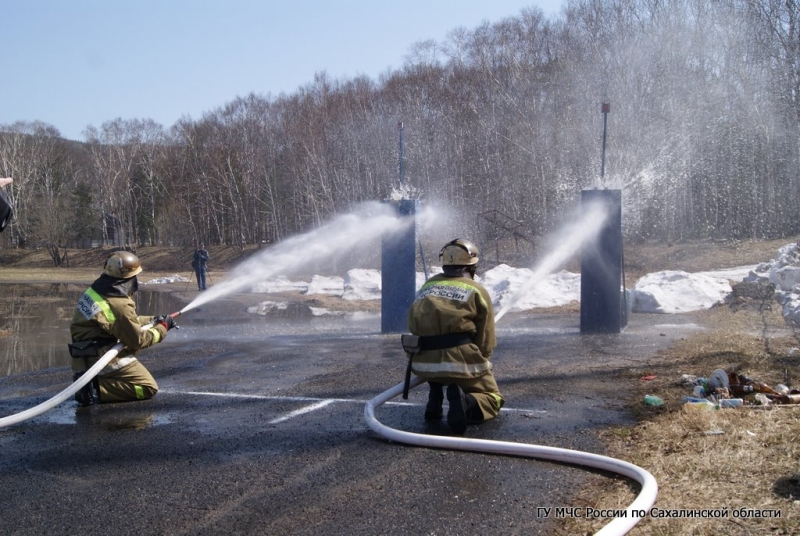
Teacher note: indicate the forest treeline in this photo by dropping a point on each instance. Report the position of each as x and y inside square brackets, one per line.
[703, 137]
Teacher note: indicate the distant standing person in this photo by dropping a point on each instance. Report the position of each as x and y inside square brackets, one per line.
[199, 263]
[452, 315]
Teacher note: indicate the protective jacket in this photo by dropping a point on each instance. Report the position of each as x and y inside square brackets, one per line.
[107, 312]
[450, 305]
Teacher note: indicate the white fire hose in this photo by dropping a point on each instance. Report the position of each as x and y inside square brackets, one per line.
[619, 525]
[76, 386]
[67, 393]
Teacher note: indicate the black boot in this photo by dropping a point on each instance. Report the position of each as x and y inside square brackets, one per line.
[433, 410]
[472, 409]
[86, 396]
[456, 413]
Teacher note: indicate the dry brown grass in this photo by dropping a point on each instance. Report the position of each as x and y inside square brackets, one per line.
[751, 464]
[154, 258]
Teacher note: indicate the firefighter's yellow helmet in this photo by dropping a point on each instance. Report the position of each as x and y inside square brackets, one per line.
[122, 265]
[459, 252]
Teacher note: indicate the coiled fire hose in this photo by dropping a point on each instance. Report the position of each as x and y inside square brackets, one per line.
[619, 525]
[76, 386]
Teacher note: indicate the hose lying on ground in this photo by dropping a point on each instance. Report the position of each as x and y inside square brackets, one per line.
[70, 391]
[619, 525]
[67, 393]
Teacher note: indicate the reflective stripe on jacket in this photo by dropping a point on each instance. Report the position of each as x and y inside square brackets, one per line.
[451, 305]
[97, 316]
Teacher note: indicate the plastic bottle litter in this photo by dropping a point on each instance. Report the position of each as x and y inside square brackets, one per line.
[781, 389]
[762, 400]
[653, 400]
[699, 391]
[730, 403]
[697, 404]
[718, 378]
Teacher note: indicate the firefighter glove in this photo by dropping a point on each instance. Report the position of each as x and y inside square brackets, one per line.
[167, 321]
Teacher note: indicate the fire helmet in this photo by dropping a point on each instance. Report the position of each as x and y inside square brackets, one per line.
[122, 265]
[459, 252]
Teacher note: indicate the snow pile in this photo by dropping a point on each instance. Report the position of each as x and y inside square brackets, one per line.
[325, 285]
[267, 307]
[659, 292]
[678, 292]
[783, 271]
[167, 279]
[280, 284]
[503, 282]
[362, 285]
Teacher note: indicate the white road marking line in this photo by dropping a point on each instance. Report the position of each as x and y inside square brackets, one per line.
[301, 411]
[317, 399]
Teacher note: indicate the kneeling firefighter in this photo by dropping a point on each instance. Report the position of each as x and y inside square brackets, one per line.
[453, 320]
[104, 315]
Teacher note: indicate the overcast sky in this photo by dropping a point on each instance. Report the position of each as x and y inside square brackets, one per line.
[72, 63]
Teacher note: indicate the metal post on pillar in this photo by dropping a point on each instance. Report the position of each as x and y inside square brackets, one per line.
[605, 108]
[603, 302]
[400, 151]
[398, 271]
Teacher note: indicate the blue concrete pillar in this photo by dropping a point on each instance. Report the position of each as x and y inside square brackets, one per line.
[602, 296]
[398, 271]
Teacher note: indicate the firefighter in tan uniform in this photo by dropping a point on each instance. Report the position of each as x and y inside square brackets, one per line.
[105, 315]
[453, 316]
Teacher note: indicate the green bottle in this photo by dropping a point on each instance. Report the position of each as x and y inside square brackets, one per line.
[653, 400]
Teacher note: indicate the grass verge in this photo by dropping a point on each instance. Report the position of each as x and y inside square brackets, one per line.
[710, 462]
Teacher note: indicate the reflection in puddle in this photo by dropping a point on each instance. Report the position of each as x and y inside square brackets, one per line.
[70, 414]
[35, 319]
[34, 323]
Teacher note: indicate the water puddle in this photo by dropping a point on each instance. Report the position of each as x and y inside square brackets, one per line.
[69, 414]
[34, 323]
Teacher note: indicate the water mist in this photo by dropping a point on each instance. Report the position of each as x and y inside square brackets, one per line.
[580, 232]
[367, 223]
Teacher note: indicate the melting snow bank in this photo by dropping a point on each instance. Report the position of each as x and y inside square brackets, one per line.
[783, 271]
[167, 279]
[659, 292]
[503, 282]
[678, 292]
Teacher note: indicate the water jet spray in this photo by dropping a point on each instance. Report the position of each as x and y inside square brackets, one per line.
[574, 237]
[599, 225]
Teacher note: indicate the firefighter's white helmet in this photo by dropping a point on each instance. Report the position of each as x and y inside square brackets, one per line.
[459, 252]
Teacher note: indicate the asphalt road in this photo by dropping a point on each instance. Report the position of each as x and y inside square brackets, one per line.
[259, 429]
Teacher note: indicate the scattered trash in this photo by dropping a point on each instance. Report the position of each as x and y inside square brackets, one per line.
[790, 399]
[697, 404]
[648, 378]
[700, 385]
[751, 434]
[718, 378]
[714, 432]
[688, 379]
[652, 400]
[731, 390]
